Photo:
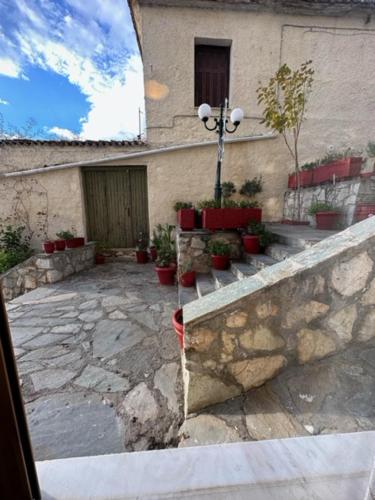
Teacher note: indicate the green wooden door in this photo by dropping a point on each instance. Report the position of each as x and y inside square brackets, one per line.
[116, 204]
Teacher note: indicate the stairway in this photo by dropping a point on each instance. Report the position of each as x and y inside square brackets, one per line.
[290, 241]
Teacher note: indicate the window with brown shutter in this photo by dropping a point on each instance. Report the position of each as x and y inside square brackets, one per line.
[211, 74]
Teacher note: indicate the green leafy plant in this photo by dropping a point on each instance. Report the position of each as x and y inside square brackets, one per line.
[252, 187]
[208, 204]
[266, 238]
[249, 204]
[229, 203]
[228, 188]
[14, 247]
[186, 267]
[100, 247]
[371, 149]
[179, 205]
[65, 235]
[310, 165]
[218, 247]
[142, 242]
[163, 237]
[321, 206]
[284, 101]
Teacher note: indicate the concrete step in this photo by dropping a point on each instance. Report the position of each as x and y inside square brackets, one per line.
[242, 270]
[260, 261]
[301, 237]
[205, 284]
[280, 252]
[223, 278]
[186, 295]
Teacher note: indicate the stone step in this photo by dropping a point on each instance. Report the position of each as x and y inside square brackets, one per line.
[186, 295]
[301, 237]
[205, 285]
[260, 261]
[280, 252]
[223, 278]
[243, 270]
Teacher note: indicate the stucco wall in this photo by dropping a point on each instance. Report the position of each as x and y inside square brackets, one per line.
[342, 107]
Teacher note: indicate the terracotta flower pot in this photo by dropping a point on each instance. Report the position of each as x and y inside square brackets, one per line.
[220, 262]
[166, 275]
[178, 325]
[251, 243]
[99, 259]
[327, 220]
[188, 279]
[60, 245]
[142, 256]
[153, 254]
[49, 247]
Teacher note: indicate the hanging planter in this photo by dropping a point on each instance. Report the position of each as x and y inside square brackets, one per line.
[177, 321]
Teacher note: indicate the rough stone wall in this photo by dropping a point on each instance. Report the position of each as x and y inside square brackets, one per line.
[302, 309]
[42, 269]
[192, 248]
[344, 195]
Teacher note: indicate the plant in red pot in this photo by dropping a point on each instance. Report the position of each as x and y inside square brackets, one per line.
[187, 274]
[99, 253]
[60, 244]
[220, 254]
[49, 246]
[68, 237]
[166, 249]
[185, 215]
[141, 250]
[152, 251]
[326, 215]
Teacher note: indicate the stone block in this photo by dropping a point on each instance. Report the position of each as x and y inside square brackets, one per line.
[236, 319]
[350, 277]
[262, 339]
[254, 372]
[53, 276]
[44, 263]
[367, 330]
[200, 339]
[197, 244]
[305, 312]
[342, 322]
[313, 344]
[204, 390]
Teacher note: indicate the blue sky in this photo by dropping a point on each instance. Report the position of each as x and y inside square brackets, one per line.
[72, 66]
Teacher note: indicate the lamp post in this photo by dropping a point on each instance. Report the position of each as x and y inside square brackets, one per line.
[220, 127]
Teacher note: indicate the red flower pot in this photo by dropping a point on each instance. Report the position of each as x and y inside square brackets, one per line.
[188, 279]
[229, 218]
[49, 246]
[186, 219]
[166, 275]
[220, 262]
[341, 169]
[99, 259]
[321, 174]
[71, 243]
[327, 220]
[178, 325]
[60, 245]
[79, 242]
[153, 253]
[251, 243]
[142, 256]
[305, 179]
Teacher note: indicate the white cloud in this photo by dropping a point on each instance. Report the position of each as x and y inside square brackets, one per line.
[3, 101]
[62, 133]
[9, 68]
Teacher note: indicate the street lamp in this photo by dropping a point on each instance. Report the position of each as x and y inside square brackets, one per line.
[220, 127]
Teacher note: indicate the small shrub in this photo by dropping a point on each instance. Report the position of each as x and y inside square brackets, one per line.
[14, 247]
[208, 204]
[310, 165]
[179, 205]
[266, 238]
[321, 206]
[228, 188]
[65, 235]
[229, 203]
[164, 242]
[142, 242]
[252, 187]
[248, 204]
[218, 247]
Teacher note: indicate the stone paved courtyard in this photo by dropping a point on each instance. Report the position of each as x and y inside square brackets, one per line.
[99, 362]
[100, 370]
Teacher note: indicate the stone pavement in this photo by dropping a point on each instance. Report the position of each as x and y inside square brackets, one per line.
[100, 370]
[99, 362]
[334, 395]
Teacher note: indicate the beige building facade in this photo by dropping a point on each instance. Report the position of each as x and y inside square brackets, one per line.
[180, 155]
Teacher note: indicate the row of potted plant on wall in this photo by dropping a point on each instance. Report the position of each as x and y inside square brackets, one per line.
[338, 166]
[222, 214]
[66, 239]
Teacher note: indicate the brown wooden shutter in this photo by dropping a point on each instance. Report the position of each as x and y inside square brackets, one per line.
[211, 74]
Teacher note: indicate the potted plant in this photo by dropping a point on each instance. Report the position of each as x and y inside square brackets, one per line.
[185, 215]
[178, 324]
[153, 251]
[141, 250]
[60, 244]
[304, 176]
[231, 216]
[166, 250]
[187, 275]
[338, 165]
[49, 246]
[99, 253]
[326, 215]
[67, 237]
[220, 254]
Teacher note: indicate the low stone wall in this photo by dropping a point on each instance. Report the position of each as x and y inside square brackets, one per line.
[42, 269]
[345, 195]
[192, 247]
[299, 310]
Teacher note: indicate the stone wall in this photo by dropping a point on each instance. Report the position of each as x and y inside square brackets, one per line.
[344, 194]
[297, 311]
[42, 269]
[192, 247]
